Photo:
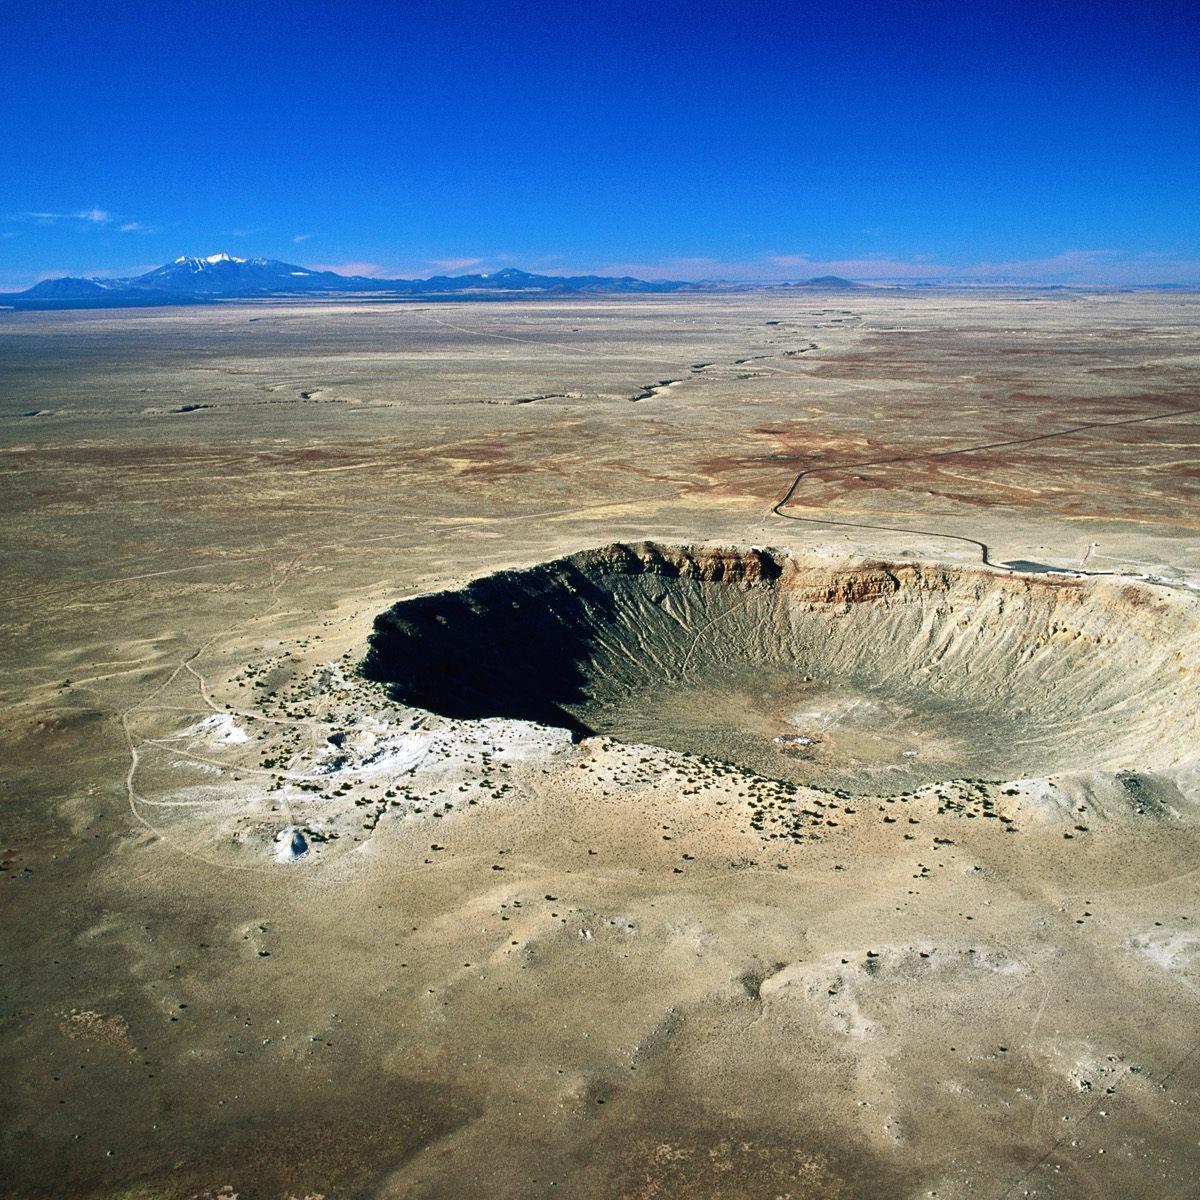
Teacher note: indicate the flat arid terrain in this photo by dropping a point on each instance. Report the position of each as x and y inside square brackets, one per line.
[655, 747]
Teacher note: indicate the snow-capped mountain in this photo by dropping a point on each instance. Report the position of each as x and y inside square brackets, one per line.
[208, 278]
[226, 274]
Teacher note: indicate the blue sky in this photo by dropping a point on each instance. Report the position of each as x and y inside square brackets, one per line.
[1057, 141]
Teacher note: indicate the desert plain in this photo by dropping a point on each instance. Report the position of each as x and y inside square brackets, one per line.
[674, 746]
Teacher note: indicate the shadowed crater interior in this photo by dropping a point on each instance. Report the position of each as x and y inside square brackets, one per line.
[864, 675]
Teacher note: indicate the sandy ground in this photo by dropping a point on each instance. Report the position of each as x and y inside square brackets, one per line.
[525, 967]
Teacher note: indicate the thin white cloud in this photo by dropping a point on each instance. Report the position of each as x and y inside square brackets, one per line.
[1071, 267]
[1083, 267]
[455, 264]
[793, 266]
[301, 237]
[354, 268]
[135, 227]
[93, 216]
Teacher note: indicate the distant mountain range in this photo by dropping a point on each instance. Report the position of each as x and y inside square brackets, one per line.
[214, 277]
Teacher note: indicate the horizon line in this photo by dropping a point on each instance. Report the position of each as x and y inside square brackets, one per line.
[1068, 269]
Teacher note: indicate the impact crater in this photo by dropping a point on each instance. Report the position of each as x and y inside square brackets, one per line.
[865, 675]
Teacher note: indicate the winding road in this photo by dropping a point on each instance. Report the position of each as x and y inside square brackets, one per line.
[985, 556]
